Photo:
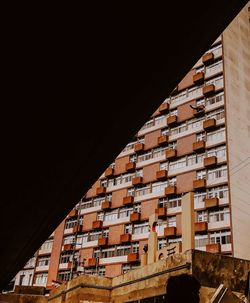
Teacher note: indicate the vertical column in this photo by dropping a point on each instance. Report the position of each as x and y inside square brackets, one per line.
[187, 203]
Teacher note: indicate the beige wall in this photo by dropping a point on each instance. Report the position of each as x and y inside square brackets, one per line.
[236, 47]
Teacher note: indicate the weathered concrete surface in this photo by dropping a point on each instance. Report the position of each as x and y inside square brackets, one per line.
[214, 269]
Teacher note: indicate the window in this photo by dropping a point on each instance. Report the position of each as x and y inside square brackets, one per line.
[68, 240]
[158, 187]
[137, 208]
[47, 245]
[201, 240]
[125, 212]
[199, 197]
[160, 225]
[123, 250]
[111, 216]
[219, 215]
[43, 261]
[65, 257]
[63, 275]
[202, 216]
[174, 202]
[171, 221]
[141, 191]
[41, 279]
[200, 136]
[220, 192]
[129, 146]
[91, 271]
[219, 152]
[97, 253]
[70, 223]
[94, 235]
[101, 271]
[216, 135]
[135, 247]
[221, 237]
[215, 99]
[108, 252]
[201, 174]
[127, 267]
[100, 216]
[162, 243]
[217, 173]
[141, 228]
[128, 229]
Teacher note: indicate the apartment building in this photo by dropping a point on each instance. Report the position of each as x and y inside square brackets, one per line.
[197, 140]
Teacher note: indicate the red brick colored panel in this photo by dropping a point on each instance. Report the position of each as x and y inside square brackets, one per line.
[148, 208]
[178, 224]
[113, 270]
[185, 111]
[55, 253]
[184, 182]
[115, 233]
[151, 139]
[92, 191]
[149, 172]
[86, 253]
[117, 197]
[120, 165]
[141, 245]
[185, 145]
[187, 81]
[88, 220]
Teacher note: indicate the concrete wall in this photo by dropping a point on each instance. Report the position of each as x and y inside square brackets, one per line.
[236, 47]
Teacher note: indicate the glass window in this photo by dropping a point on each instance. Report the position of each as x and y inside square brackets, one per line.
[220, 237]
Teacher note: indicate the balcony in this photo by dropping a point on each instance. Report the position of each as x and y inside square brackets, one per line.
[130, 166]
[211, 202]
[161, 175]
[172, 120]
[137, 180]
[208, 90]
[109, 172]
[209, 124]
[106, 205]
[132, 257]
[65, 266]
[102, 241]
[162, 140]
[77, 228]
[199, 111]
[164, 107]
[139, 147]
[91, 262]
[199, 184]
[208, 58]
[97, 224]
[170, 231]
[128, 200]
[68, 247]
[170, 190]
[73, 213]
[213, 248]
[200, 227]
[161, 212]
[171, 153]
[199, 146]
[100, 191]
[210, 162]
[198, 78]
[135, 217]
[125, 238]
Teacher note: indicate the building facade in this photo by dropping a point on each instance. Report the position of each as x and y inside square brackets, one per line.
[197, 140]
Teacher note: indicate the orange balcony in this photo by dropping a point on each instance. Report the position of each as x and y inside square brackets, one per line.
[132, 257]
[200, 227]
[97, 224]
[209, 124]
[102, 241]
[210, 161]
[77, 228]
[198, 78]
[170, 190]
[139, 147]
[130, 166]
[125, 238]
[161, 174]
[135, 217]
[101, 191]
[128, 200]
[208, 90]
[208, 58]
[213, 248]
[137, 180]
[162, 140]
[172, 120]
[91, 262]
[164, 107]
[73, 213]
[199, 184]
[109, 172]
[170, 231]
[171, 153]
[68, 246]
[161, 212]
[211, 202]
[106, 205]
[199, 146]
